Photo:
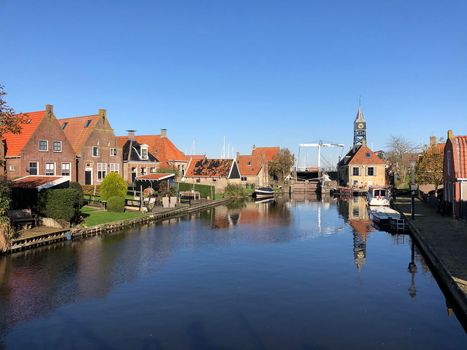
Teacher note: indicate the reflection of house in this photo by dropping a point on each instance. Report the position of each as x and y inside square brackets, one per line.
[455, 174]
[137, 159]
[254, 168]
[214, 172]
[40, 149]
[361, 167]
[95, 145]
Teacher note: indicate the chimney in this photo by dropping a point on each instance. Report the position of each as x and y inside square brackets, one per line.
[254, 147]
[103, 113]
[432, 141]
[49, 109]
[450, 135]
[238, 154]
[163, 132]
[131, 135]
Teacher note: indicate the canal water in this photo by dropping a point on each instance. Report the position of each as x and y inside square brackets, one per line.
[290, 274]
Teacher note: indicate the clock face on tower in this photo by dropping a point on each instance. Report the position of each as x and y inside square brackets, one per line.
[360, 125]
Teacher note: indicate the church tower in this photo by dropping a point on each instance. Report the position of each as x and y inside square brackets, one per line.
[359, 129]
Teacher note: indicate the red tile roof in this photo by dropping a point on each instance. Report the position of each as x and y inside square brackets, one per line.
[76, 130]
[16, 142]
[267, 152]
[161, 147]
[209, 168]
[459, 145]
[361, 155]
[249, 165]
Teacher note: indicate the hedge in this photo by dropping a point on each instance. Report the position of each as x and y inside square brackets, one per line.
[116, 204]
[204, 190]
[60, 204]
[113, 185]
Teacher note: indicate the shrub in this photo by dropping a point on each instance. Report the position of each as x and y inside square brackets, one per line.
[88, 190]
[60, 204]
[116, 204]
[113, 185]
[78, 188]
[235, 191]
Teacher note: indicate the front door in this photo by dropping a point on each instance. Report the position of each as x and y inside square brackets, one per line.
[88, 177]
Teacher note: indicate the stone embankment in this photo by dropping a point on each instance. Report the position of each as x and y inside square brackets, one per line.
[53, 236]
[443, 241]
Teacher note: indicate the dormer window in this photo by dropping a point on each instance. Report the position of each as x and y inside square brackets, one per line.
[144, 152]
[64, 125]
[88, 122]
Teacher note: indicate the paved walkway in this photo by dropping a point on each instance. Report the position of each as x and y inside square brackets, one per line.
[445, 242]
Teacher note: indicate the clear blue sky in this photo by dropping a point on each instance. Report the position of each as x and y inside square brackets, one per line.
[259, 72]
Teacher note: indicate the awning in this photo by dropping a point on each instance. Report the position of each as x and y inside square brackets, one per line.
[39, 182]
[155, 177]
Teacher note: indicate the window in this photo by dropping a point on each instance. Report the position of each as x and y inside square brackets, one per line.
[198, 180]
[356, 212]
[367, 154]
[49, 168]
[57, 146]
[355, 183]
[43, 145]
[355, 171]
[12, 167]
[114, 167]
[64, 125]
[95, 151]
[66, 169]
[243, 178]
[113, 152]
[153, 170]
[88, 122]
[33, 168]
[144, 153]
[371, 171]
[143, 171]
[101, 171]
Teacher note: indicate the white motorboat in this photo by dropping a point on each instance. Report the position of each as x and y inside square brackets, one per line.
[383, 215]
[379, 196]
[263, 192]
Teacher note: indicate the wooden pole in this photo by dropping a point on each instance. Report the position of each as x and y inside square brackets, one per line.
[141, 197]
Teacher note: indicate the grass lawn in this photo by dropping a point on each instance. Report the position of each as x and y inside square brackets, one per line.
[93, 216]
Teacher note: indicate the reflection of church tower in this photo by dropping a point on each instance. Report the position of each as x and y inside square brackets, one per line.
[359, 129]
[359, 250]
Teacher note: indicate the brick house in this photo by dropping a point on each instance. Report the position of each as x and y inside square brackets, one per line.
[361, 168]
[254, 168]
[40, 149]
[95, 145]
[455, 174]
[137, 158]
[214, 172]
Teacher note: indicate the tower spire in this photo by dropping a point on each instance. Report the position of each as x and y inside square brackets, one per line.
[359, 134]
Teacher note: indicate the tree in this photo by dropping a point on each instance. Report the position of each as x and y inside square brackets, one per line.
[429, 168]
[280, 165]
[401, 158]
[9, 120]
[113, 185]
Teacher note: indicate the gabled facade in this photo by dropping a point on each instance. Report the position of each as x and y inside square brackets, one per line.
[455, 174]
[95, 145]
[361, 168]
[40, 149]
[168, 155]
[137, 159]
[254, 168]
[214, 172]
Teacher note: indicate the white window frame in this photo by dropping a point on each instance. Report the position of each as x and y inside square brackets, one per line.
[69, 164]
[12, 167]
[114, 168]
[113, 152]
[153, 170]
[97, 153]
[101, 168]
[37, 167]
[54, 168]
[144, 153]
[61, 146]
[47, 146]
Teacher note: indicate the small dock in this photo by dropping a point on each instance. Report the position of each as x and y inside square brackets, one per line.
[41, 236]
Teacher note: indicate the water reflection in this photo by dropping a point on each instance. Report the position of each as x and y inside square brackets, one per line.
[241, 269]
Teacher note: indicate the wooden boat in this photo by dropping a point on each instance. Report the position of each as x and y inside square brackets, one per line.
[379, 196]
[263, 192]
